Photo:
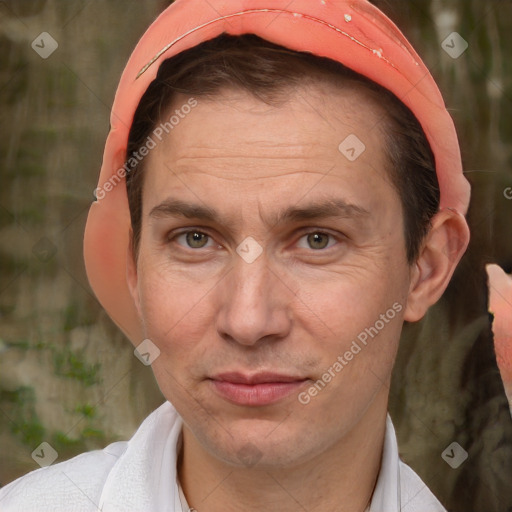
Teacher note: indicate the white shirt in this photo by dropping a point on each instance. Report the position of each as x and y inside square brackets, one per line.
[136, 475]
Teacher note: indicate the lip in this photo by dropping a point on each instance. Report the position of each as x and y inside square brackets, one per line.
[258, 389]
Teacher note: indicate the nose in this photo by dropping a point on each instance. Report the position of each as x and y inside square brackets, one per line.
[254, 303]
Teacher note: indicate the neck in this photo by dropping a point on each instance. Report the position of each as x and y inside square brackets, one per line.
[340, 479]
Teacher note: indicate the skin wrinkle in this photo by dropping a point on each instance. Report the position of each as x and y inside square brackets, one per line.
[328, 209]
[291, 310]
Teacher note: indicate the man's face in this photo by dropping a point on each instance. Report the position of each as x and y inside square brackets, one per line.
[318, 285]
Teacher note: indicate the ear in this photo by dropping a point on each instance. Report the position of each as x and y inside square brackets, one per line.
[441, 251]
[131, 274]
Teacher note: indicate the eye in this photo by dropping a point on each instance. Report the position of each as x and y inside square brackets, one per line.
[196, 239]
[193, 239]
[318, 240]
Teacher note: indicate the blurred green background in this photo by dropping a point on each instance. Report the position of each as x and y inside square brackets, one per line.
[69, 377]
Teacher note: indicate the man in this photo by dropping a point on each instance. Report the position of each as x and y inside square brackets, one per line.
[265, 222]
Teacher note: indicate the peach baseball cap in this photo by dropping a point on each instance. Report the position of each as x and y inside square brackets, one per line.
[353, 32]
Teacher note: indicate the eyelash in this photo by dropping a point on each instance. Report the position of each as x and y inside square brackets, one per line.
[175, 235]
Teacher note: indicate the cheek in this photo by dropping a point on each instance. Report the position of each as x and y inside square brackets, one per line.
[176, 310]
[345, 303]
[356, 322]
[174, 321]
[357, 359]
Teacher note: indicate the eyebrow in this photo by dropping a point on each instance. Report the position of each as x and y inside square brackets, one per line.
[322, 209]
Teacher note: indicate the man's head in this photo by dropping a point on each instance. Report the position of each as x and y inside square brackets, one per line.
[352, 32]
[309, 231]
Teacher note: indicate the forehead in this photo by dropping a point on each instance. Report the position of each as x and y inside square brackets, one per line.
[315, 114]
[321, 138]
[316, 117]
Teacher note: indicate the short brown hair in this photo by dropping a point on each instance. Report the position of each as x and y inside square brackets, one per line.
[269, 72]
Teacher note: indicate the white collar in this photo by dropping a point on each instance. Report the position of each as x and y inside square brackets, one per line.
[386, 495]
[141, 478]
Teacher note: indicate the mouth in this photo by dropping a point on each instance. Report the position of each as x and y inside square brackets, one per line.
[258, 389]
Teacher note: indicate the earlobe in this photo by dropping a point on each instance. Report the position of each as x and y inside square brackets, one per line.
[442, 250]
[132, 275]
